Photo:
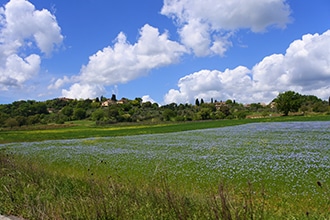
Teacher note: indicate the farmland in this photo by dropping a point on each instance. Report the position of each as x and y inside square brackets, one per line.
[87, 129]
[256, 170]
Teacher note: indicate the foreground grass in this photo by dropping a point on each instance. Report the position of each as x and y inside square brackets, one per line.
[41, 186]
[30, 190]
[86, 129]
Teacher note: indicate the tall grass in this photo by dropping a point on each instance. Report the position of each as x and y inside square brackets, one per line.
[256, 171]
[32, 191]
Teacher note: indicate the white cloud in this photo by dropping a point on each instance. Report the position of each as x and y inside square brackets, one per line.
[304, 68]
[202, 23]
[22, 28]
[147, 98]
[209, 84]
[124, 62]
[59, 83]
[83, 91]
[196, 36]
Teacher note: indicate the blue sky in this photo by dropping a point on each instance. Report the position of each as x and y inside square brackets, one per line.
[164, 51]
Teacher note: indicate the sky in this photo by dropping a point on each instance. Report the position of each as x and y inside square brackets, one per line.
[164, 51]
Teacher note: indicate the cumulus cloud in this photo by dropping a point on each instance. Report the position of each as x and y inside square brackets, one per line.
[58, 83]
[84, 91]
[305, 68]
[23, 28]
[204, 24]
[147, 98]
[305, 65]
[124, 62]
[209, 84]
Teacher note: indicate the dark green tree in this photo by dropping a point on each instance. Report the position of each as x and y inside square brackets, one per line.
[113, 98]
[197, 102]
[320, 107]
[39, 108]
[146, 104]
[98, 114]
[11, 122]
[113, 112]
[3, 118]
[240, 114]
[168, 114]
[289, 101]
[225, 110]
[79, 113]
[229, 102]
[204, 113]
[21, 120]
[103, 99]
[67, 111]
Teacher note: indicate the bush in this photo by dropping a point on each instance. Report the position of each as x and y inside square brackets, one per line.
[11, 122]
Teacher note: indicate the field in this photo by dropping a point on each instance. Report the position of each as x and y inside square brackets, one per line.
[86, 129]
[269, 170]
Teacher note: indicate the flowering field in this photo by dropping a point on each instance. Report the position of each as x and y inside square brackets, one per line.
[289, 161]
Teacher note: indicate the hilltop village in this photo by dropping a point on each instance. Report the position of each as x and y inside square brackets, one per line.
[112, 110]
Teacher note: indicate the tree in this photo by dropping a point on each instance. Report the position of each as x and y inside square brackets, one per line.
[103, 99]
[225, 110]
[11, 122]
[79, 113]
[197, 102]
[136, 102]
[147, 104]
[98, 114]
[241, 114]
[39, 108]
[229, 102]
[320, 107]
[289, 101]
[113, 111]
[21, 120]
[3, 117]
[33, 119]
[204, 113]
[95, 105]
[113, 98]
[67, 111]
[168, 114]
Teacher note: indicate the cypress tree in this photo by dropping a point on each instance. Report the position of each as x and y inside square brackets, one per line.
[197, 102]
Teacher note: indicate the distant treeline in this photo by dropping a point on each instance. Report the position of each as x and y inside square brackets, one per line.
[110, 110]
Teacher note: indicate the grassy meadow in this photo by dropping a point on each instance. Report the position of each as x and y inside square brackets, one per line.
[86, 129]
[202, 170]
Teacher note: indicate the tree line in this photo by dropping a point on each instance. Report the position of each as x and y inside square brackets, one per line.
[106, 111]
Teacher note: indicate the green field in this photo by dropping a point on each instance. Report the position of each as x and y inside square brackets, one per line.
[201, 170]
[85, 129]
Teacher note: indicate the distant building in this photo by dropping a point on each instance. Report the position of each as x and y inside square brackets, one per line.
[65, 99]
[272, 105]
[109, 102]
[122, 101]
[218, 105]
